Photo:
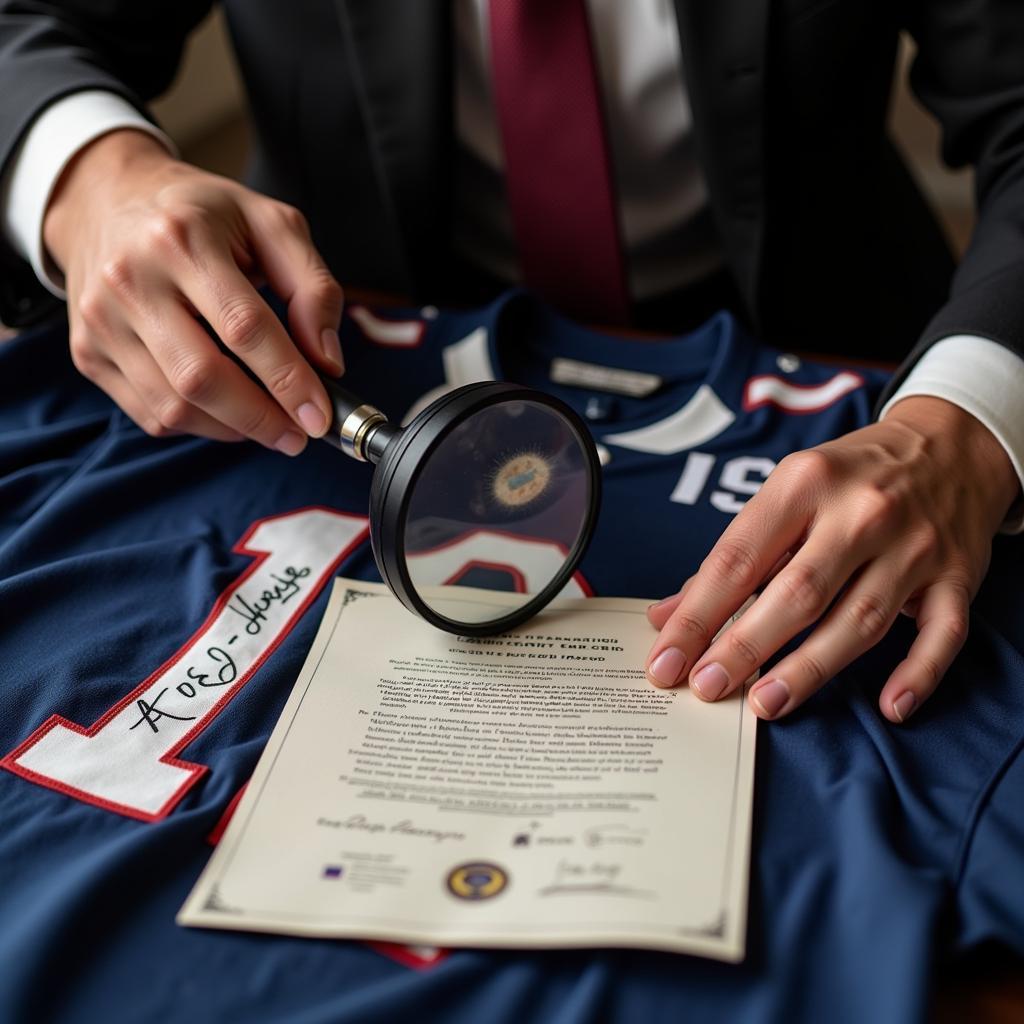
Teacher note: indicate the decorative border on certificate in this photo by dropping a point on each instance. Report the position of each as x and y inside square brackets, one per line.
[215, 903]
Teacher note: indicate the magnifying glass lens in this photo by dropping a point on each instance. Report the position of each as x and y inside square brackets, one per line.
[499, 504]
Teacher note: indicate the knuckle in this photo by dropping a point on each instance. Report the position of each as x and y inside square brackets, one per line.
[878, 506]
[241, 325]
[875, 512]
[194, 379]
[930, 669]
[83, 355]
[169, 232]
[117, 275]
[293, 218]
[734, 564]
[155, 428]
[743, 649]
[285, 379]
[806, 589]
[92, 310]
[955, 629]
[257, 420]
[868, 616]
[174, 413]
[926, 544]
[959, 581]
[325, 289]
[690, 626]
[811, 670]
[810, 468]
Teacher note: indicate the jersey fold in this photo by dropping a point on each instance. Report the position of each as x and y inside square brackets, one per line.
[158, 599]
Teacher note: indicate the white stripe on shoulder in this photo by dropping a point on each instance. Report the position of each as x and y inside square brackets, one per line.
[798, 398]
[703, 417]
[393, 333]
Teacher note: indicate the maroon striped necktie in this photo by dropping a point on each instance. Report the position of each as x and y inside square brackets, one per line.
[558, 176]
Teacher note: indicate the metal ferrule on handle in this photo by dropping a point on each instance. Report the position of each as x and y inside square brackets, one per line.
[354, 422]
[355, 430]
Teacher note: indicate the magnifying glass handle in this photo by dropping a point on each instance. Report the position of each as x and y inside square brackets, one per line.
[354, 423]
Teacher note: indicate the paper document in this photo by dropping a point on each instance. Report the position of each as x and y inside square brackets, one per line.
[526, 790]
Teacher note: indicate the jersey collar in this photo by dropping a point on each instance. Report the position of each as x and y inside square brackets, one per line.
[703, 371]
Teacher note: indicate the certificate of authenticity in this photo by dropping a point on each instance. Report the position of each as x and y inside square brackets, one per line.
[525, 790]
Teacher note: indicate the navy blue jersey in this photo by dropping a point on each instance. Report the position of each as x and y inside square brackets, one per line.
[158, 597]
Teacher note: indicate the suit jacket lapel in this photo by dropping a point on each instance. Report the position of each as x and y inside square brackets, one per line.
[724, 45]
[400, 53]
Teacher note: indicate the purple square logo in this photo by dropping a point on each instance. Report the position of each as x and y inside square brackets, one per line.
[333, 871]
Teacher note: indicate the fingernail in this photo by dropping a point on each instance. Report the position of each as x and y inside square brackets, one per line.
[667, 667]
[903, 706]
[291, 442]
[711, 681]
[332, 349]
[312, 418]
[771, 697]
[658, 604]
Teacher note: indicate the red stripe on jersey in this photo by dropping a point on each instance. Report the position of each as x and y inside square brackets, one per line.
[218, 830]
[420, 958]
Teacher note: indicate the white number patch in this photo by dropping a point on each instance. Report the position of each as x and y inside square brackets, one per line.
[126, 761]
[740, 479]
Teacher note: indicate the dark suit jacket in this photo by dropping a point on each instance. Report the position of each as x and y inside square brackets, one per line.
[829, 242]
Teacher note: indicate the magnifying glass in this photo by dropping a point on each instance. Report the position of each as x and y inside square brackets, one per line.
[493, 485]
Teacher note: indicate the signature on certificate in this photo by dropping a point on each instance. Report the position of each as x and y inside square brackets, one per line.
[573, 877]
[405, 827]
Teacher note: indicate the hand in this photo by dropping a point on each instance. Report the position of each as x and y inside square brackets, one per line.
[145, 243]
[896, 516]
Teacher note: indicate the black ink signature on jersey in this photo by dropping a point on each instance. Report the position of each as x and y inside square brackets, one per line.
[223, 672]
[151, 713]
[255, 611]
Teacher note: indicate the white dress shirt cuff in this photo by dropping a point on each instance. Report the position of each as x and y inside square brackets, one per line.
[56, 135]
[985, 379]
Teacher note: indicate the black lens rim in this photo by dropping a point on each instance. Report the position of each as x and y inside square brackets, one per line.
[401, 464]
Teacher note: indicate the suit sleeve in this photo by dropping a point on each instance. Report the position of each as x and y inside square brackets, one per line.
[49, 51]
[969, 72]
